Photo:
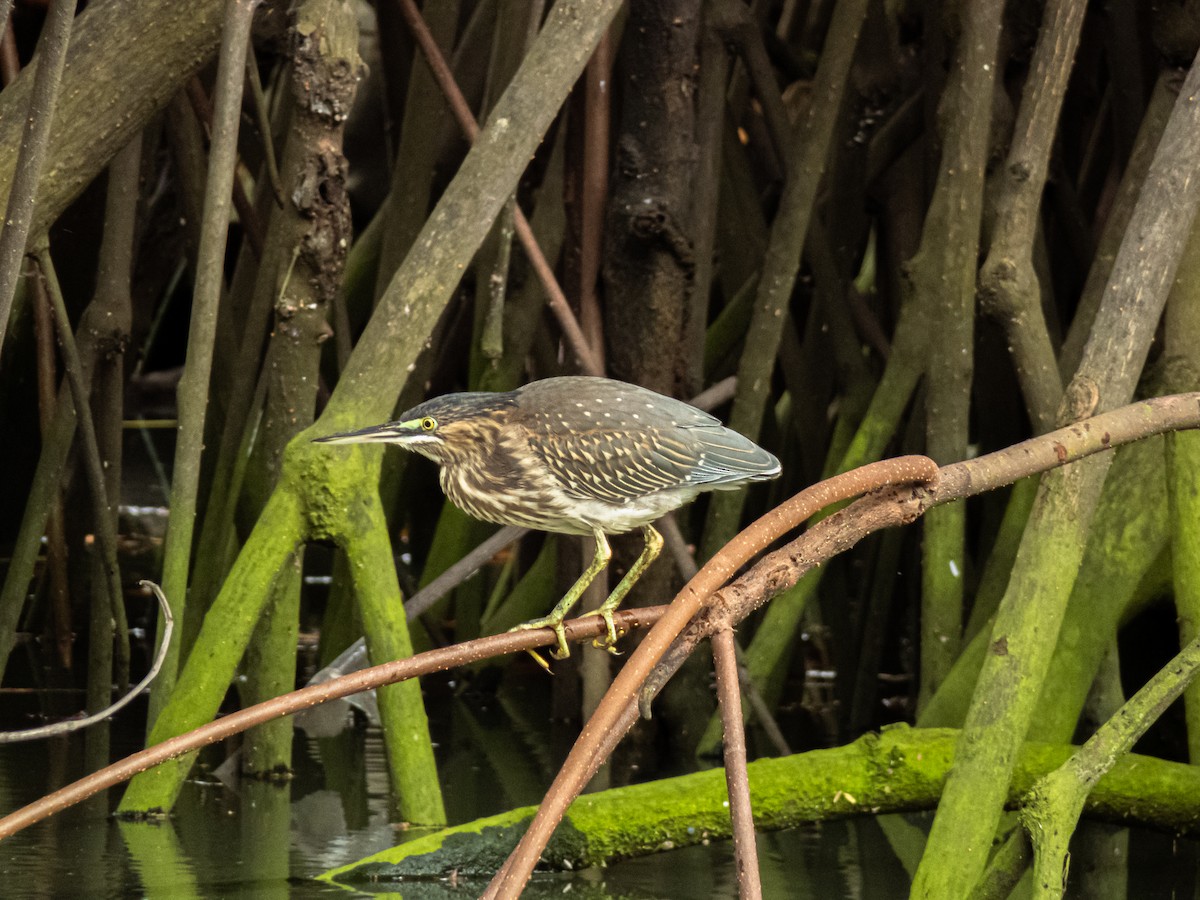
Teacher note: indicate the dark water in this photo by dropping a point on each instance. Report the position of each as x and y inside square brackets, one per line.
[252, 840]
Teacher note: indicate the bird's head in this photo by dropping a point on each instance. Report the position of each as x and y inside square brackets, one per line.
[445, 429]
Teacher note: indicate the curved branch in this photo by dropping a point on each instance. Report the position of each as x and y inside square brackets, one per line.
[61, 728]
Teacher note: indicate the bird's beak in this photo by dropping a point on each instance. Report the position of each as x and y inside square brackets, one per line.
[391, 433]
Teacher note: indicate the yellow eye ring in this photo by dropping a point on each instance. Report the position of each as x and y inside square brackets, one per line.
[428, 424]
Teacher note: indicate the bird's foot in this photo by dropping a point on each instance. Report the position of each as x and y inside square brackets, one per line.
[562, 651]
[608, 641]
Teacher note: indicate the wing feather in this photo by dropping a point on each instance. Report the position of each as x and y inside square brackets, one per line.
[602, 465]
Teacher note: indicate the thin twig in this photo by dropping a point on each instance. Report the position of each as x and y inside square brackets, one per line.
[763, 713]
[461, 570]
[71, 725]
[677, 546]
[247, 214]
[102, 505]
[50, 56]
[716, 394]
[737, 779]
[355, 657]
[597, 119]
[263, 119]
[555, 297]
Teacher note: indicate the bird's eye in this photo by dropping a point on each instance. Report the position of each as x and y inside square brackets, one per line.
[428, 423]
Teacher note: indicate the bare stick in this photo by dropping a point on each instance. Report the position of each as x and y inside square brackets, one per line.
[60, 728]
[102, 504]
[737, 779]
[458, 105]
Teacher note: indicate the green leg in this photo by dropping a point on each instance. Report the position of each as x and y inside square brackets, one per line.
[654, 543]
[555, 619]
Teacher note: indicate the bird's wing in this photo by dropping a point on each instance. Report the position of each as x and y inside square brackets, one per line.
[608, 465]
[583, 403]
[719, 456]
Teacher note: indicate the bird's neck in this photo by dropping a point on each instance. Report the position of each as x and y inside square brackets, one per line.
[476, 476]
[468, 453]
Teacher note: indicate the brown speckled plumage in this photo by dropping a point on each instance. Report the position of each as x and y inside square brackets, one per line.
[575, 455]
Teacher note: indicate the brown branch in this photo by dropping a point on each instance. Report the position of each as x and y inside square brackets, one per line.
[389, 673]
[745, 849]
[555, 297]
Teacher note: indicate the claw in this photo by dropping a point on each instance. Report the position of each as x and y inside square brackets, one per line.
[562, 651]
[609, 640]
[605, 645]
